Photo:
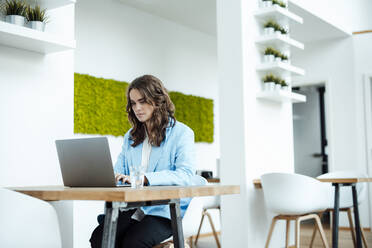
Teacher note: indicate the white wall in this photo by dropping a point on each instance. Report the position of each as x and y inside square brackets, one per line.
[342, 69]
[363, 67]
[36, 104]
[128, 43]
[256, 135]
[347, 15]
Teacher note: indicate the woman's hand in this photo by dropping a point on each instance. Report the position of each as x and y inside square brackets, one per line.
[123, 178]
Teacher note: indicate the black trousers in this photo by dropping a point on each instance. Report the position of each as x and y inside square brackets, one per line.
[148, 232]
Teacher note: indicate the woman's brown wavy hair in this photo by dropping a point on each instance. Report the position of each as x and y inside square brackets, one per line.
[154, 93]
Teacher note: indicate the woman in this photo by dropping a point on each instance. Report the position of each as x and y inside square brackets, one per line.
[163, 145]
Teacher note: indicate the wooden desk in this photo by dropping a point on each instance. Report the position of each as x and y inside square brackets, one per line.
[337, 182]
[213, 180]
[124, 197]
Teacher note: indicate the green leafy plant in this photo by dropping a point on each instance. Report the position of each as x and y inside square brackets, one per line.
[36, 14]
[270, 51]
[284, 57]
[270, 24]
[14, 7]
[269, 78]
[275, 25]
[283, 83]
[282, 4]
[276, 2]
[282, 30]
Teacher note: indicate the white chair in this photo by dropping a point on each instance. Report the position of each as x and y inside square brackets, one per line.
[189, 225]
[294, 197]
[346, 198]
[214, 204]
[27, 222]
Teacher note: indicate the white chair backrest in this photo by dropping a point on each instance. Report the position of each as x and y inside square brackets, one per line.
[27, 222]
[294, 194]
[346, 198]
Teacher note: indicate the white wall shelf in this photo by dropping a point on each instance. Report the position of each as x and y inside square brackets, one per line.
[277, 13]
[279, 41]
[52, 4]
[32, 40]
[280, 67]
[281, 96]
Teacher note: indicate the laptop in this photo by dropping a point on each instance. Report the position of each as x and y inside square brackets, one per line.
[86, 162]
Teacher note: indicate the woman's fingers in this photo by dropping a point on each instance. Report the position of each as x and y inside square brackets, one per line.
[123, 178]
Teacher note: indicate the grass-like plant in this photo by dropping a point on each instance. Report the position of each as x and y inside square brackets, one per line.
[14, 7]
[282, 4]
[269, 78]
[36, 14]
[270, 51]
[284, 57]
[283, 83]
[270, 24]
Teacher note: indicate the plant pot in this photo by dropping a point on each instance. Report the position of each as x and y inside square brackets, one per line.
[285, 61]
[268, 31]
[278, 59]
[15, 19]
[278, 32]
[278, 87]
[40, 26]
[269, 86]
[286, 88]
[268, 58]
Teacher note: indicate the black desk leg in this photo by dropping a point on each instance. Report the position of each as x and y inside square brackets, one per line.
[176, 220]
[109, 228]
[356, 217]
[335, 216]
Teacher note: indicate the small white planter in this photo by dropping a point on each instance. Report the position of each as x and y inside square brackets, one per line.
[286, 88]
[278, 87]
[278, 59]
[40, 26]
[285, 61]
[268, 58]
[269, 86]
[268, 31]
[15, 19]
[267, 4]
[278, 32]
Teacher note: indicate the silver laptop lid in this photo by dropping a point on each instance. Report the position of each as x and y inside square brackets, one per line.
[86, 162]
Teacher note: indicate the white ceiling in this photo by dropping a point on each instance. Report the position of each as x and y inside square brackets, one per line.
[197, 14]
[201, 15]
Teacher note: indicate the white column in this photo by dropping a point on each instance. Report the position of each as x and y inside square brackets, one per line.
[256, 135]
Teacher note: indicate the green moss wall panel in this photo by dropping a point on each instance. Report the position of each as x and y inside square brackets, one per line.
[99, 108]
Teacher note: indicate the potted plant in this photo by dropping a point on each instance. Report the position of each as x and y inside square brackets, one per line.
[282, 4]
[278, 56]
[269, 83]
[269, 55]
[14, 11]
[276, 2]
[277, 28]
[36, 17]
[284, 58]
[283, 31]
[277, 82]
[269, 27]
[284, 85]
